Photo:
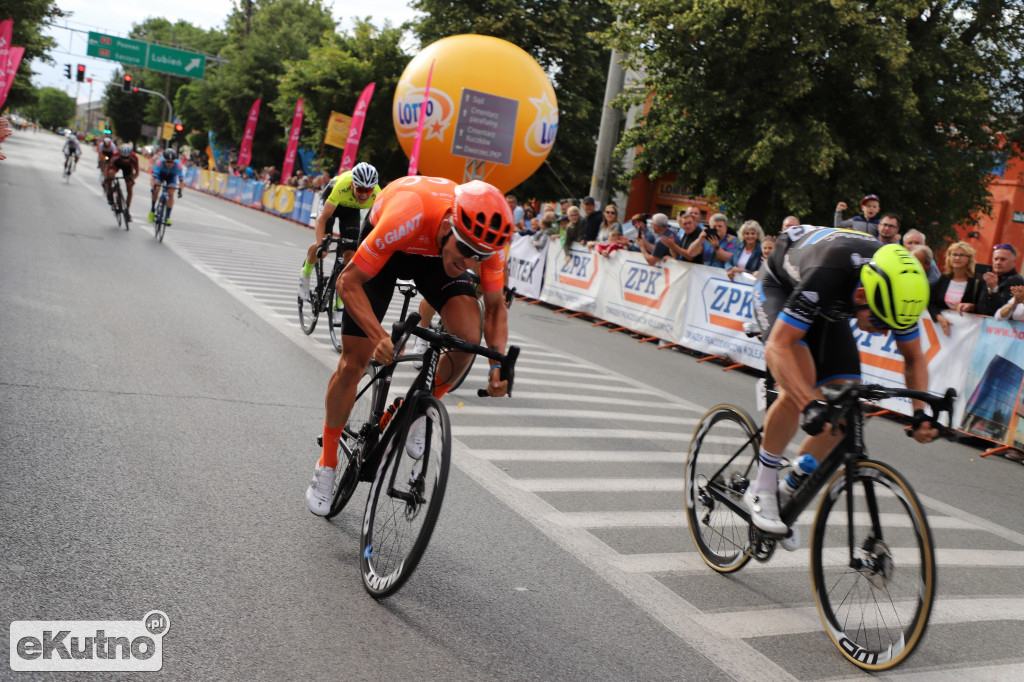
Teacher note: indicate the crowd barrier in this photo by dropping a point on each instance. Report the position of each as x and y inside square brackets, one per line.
[698, 307]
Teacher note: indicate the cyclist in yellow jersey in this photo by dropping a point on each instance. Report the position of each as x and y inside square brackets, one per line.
[349, 193]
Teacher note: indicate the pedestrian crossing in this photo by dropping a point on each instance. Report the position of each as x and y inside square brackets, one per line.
[594, 459]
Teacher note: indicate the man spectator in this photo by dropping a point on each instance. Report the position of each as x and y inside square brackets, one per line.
[998, 281]
[869, 206]
[789, 221]
[591, 219]
[915, 237]
[517, 210]
[655, 242]
[719, 245]
[888, 229]
[689, 246]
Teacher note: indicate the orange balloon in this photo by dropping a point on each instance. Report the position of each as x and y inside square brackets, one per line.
[491, 113]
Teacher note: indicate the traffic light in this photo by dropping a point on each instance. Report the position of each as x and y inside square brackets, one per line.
[67, 71]
[126, 82]
[178, 127]
[81, 73]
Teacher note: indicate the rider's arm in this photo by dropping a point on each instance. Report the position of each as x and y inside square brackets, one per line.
[495, 336]
[320, 227]
[915, 375]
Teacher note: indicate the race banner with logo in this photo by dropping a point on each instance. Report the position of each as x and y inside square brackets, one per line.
[293, 143]
[649, 299]
[355, 130]
[245, 152]
[713, 321]
[526, 266]
[571, 281]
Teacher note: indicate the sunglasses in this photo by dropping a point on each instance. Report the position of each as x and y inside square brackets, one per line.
[872, 319]
[468, 251]
[610, 213]
[1008, 247]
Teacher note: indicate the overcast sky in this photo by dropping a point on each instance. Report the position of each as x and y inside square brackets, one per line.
[116, 17]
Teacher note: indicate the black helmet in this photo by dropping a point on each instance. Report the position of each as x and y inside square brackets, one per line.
[170, 154]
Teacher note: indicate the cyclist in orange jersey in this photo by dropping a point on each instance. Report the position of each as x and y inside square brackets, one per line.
[429, 230]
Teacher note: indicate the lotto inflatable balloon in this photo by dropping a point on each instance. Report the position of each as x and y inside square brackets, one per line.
[491, 113]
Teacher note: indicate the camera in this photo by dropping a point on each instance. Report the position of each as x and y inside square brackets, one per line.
[710, 232]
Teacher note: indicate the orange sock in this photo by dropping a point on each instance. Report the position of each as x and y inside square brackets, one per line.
[329, 453]
[440, 389]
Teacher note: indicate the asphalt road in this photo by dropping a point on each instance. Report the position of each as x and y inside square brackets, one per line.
[158, 408]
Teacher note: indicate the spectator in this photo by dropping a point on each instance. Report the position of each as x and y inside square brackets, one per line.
[788, 222]
[517, 210]
[1014, 308]
[654, 243]
[915, 237]
[869, 206]
[888, 229]
[615, 242]
[767, 246]
[528, 220]
[997, 282]
[591, 220]
[548, 229]
[957, 288]
[719, 245]
[574, 229]
[563, 207]
[5, 131]
[609, 222]
[690, 248]
[748, 256]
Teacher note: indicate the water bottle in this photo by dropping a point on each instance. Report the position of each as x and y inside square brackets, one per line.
[802, 468]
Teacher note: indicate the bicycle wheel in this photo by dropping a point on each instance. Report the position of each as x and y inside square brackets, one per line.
[723, 457]
[159, 225]
[351, 446]
[472, 358]
[875, 604]
[403, 504]
[334, 310]
[119, 207]
[309, 310]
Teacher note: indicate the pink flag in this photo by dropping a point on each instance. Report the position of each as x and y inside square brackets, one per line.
[13, 60]
[6, 29]
[414, 158]
[293, 143]
[245, 153]
[355, 131]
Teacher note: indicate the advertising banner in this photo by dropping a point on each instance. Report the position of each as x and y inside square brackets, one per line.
[991, 399]
[355, 131]
[570, 282]
[245, 152]
[338, 125]
[649, 299]
[526, 265]
[713, 320]
[293, 143]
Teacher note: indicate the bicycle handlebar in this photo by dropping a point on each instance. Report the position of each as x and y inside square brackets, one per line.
[325, 244]
[844, 397]
[411, 327]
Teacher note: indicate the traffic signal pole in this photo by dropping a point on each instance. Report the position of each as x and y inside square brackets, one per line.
[170, 109]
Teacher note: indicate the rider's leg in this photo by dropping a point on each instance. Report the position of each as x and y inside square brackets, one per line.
[108, 183]
[170, 203]
[341, 393]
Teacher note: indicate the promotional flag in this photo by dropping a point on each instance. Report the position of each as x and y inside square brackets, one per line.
[355, 131]
[414, 158]
[245, 153]
[338, 126]
[6, 29]
[13, 60]
[293, 143]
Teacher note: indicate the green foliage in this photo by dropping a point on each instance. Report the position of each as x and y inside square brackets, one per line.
[789, 106]
[30, 17]
[559, 35]
[52, 108]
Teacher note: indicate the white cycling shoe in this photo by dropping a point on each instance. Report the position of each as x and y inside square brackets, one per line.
[416, 443]
[320, 490]
[764, 511]
[304, 288]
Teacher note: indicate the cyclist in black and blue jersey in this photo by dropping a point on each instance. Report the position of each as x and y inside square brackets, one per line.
[166, 170]
[815, 281]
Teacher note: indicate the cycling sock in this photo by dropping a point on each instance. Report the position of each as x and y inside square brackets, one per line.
[329, 453]
[167, 213]
[307, 269]
[440, 388]
[767, 471]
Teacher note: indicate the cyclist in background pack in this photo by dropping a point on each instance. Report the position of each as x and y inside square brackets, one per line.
[431, 231]
[340, 203]
[813, 283]
[127, 162]
[166, 170]
[71, 148]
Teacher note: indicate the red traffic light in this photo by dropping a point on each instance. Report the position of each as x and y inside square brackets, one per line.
[126, 82]
[81, 73]
[178, 127]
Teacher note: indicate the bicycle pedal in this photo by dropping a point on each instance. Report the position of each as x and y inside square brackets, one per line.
[320, 440]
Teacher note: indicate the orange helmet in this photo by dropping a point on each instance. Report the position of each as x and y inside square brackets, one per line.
[482, 218]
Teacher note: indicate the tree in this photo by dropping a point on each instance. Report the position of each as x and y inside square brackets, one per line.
[331, 79]
[559, 35]
[30, 16]
[53, 109]
[785, 106]
[126, 111]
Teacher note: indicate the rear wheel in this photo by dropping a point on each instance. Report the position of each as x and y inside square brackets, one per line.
[404, 503]
[722, 459]
[352, 443]
[309, 308]
[875, 597]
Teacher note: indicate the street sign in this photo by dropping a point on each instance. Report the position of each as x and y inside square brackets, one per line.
[146, 55]
[168, 131]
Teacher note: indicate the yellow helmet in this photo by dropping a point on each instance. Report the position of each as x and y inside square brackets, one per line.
[896, 286]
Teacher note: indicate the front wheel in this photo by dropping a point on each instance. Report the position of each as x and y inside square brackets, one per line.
[404, 502]
[309, 308]
[721, 462]
[160, 225]
[119, 207]
[334, 311]
[874, 597]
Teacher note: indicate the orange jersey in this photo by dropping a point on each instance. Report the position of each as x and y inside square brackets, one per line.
[406, 218]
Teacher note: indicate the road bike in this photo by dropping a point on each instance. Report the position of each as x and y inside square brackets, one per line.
[872, 555]
[119, 206]
[70, 164]
[322, 295]
[407, 490]
[160, 214]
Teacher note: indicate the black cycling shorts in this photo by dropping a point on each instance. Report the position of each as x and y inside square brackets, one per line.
[832, 344]
[347, 219]
[427, 272]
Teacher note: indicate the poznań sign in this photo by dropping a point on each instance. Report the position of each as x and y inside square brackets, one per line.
[146, 55]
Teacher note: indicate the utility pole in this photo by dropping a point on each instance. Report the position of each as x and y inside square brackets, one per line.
[609, 131]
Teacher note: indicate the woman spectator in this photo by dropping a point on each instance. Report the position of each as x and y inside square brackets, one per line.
[609, 222]
[528, 217]
[746, 258]
[548, 229]
[1014, 308]
[957, 288]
